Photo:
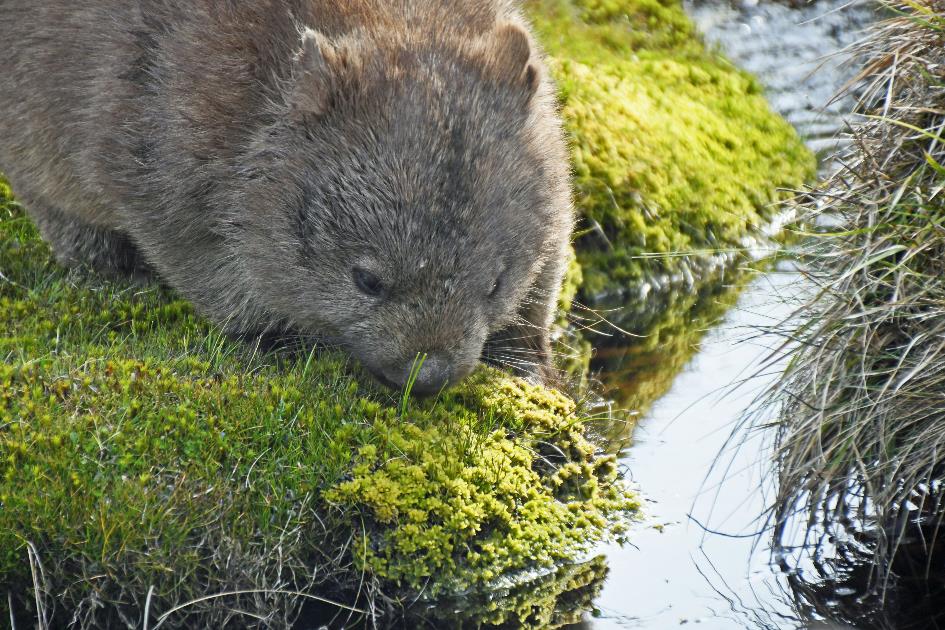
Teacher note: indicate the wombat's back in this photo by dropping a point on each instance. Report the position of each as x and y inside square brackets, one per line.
[59, 76]
[83, 84]
[231, 146]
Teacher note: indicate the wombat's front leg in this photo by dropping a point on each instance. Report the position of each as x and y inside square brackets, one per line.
[76, 243]
[525, 346]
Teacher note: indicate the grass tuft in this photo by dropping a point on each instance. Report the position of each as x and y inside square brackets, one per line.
[861, 434]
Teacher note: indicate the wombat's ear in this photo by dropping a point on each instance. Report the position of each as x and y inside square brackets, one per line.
[512, 57]
[313, 77]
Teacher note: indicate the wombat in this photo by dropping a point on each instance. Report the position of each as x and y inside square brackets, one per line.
[387, 175]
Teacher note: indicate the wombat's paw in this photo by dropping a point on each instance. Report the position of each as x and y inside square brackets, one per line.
[78, 245]
[115, 261]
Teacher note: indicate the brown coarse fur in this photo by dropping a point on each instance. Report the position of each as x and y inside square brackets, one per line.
[387, 175]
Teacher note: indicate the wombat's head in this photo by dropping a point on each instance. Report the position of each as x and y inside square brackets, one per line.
[408, 196]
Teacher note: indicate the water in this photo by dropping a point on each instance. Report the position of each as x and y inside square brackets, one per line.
[678, 572]
[702, 555]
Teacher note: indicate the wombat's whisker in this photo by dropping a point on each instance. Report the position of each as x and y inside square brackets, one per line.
[513, 364]
[518, 350]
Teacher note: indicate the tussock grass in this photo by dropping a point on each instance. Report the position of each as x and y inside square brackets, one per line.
[861, 432]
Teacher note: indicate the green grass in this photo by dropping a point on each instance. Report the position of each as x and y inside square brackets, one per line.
[674, 150]
[860, 407]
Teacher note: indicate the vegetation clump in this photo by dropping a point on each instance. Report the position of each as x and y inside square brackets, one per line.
[457, 504]
[861, 435]
[676, 153]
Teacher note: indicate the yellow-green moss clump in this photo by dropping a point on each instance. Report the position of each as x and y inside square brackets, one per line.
[140, 449]
[675, 151]
[462, 503]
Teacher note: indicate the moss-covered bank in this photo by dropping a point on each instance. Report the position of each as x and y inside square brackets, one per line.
[675, 151]
[145, 460]
[144, 456]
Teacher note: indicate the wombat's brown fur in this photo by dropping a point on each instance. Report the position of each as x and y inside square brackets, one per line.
[389, 175]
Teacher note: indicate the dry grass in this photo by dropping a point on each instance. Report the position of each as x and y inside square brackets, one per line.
[861, 431]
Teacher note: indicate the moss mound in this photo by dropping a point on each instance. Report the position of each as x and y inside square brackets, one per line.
[146, 461]
[430, 503]
[675, 151]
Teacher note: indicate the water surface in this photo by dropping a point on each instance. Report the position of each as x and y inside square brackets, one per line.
[696, 558]
[703, 555]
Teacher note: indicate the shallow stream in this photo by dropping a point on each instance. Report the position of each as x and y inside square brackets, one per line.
[702, 555]
[696, 557]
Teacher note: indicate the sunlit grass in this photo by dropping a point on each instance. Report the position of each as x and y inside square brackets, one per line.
[862, 404]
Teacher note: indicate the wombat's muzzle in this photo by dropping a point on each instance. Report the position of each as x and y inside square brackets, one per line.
[432, 373]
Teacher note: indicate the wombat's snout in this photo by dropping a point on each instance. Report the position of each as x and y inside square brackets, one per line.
[433, 374]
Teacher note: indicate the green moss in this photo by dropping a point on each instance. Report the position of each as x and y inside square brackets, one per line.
[139, 446]
[675, 151]
[460, 504]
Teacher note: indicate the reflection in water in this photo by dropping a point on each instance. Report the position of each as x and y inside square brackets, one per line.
[838, 581]
[677, 572]
[556, 600]
[663, 334]
[704, 562]
[634, 350]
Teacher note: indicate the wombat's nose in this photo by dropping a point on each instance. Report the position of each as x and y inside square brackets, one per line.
[432, 376]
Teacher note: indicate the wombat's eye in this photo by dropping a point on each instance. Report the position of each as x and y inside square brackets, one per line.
[367, 282]
[496, 286]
